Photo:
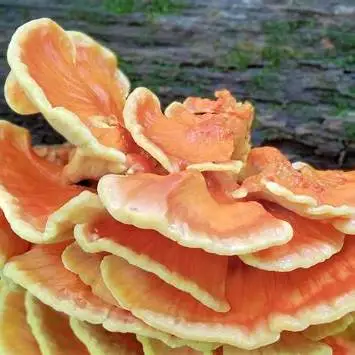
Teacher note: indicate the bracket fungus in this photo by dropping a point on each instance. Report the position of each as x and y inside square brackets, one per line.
[186, 241]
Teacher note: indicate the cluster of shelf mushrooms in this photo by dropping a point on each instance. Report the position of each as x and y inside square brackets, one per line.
[184, 238]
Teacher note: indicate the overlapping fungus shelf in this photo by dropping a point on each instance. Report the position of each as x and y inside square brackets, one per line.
[187, 240]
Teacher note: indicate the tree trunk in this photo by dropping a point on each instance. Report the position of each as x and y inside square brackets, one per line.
[295, 60]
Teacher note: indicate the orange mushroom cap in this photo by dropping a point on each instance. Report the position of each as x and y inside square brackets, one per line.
[198, 245]
[268, 174]
[43, 209]
[180, 207]
[182, 137]
[74, 82]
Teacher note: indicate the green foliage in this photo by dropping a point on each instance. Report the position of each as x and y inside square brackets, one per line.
[149, 7]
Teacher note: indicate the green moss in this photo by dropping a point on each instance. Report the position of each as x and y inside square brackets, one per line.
[125, 66]
[91, 17]
[279, 32]
[276, 55]
[276, 31]
[162, 76]
[287, 27]
[238, 58]
[341, 109]
[342, 60]
[256, 124]
[341, 51]
[301, 109]
[151, 7]
[342, 38]
[344, 107]
[342, 104]
[306, 38]
[265, 79]
[120, 6]
[25, 13]
[349, 130]
[284, 41]
[351, 90]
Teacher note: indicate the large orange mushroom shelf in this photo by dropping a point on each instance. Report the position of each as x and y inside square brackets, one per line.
[186, 241]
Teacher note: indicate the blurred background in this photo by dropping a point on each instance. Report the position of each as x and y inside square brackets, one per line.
[294, 59]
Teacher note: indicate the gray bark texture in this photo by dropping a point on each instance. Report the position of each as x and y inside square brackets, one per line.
[294, 59]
